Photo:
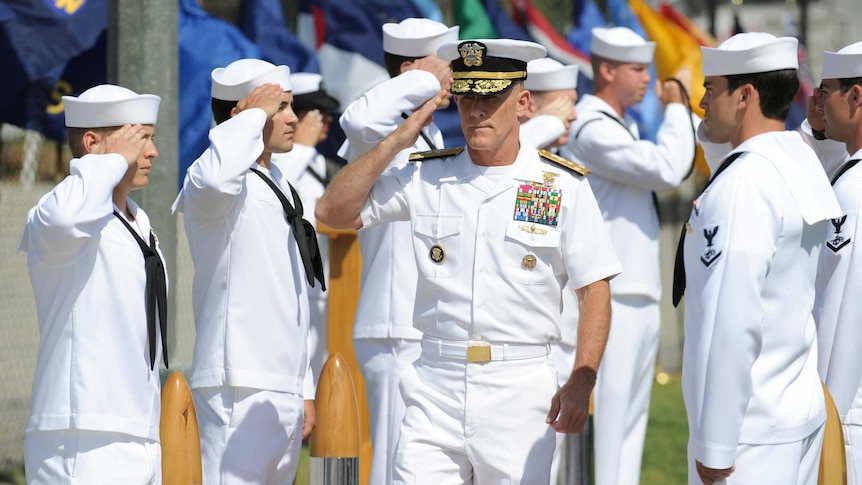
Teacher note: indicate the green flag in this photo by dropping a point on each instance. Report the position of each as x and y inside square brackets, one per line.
[473, 19]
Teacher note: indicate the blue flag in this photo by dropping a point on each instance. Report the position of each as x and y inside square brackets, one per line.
[586, 17]
[37, 41]
[206, 42]
[263, 22]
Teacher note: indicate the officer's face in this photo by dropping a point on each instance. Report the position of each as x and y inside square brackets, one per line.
[834, 108]
[278, 130]
[489, 121]
[719, 107]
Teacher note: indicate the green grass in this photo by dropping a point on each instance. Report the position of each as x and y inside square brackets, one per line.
[664, 460]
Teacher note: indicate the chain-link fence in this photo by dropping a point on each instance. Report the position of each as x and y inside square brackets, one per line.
[30, 166]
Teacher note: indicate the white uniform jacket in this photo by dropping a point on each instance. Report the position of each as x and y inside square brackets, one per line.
[494, 257]
[388, 285]
[250, 293]
[837, 307]
[93, 367]
[749, 361]
[625, 173]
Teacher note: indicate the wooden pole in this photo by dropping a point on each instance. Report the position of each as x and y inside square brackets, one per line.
[335, 443]
[833, 461]
[345, 274]
[181, 442]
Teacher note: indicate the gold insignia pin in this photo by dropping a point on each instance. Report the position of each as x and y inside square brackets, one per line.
[532, 229]
[529, 261]
[687, 227]
[437, 254]
[549, 177]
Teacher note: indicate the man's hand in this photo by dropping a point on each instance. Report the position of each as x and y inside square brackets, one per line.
[267, 97]
[560, 108]
[570, 406]
[670, 92]
[309, 421]
[711, 475]
[127, 141]
[308, 129]
[407, 134]
[441, 69]
[813, 113]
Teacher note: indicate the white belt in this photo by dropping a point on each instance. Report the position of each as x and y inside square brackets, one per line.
[480, 351]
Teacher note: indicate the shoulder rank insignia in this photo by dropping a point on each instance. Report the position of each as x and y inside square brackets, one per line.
[574, 167]
[441, 153]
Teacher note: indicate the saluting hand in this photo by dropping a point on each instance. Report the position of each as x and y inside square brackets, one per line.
[127, 141]
[308, 129]
[670, 92]
[407, 134]
[441, 69]
[561, 108]
[267, 97]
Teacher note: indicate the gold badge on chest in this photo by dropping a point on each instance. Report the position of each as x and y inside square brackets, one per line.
[528, 261]
[437, 254]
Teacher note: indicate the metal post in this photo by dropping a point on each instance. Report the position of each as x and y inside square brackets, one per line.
[143, 55]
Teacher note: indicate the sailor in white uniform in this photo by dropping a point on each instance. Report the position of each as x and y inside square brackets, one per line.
[747, 262]
[383, 335]
[101, 294]
[497, 233]
[308, 171]
[837, 311]
[626, 173]
[255, 259]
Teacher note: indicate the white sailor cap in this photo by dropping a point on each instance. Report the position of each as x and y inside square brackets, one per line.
[488, 66]
[240, 78]
[416, 37]
[109, 105]
[621, 44]
[546, 74]
[750, 53]
[309, 92]
[844, 64]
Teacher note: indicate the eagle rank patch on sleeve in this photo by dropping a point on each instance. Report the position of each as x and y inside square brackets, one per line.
[431, 154]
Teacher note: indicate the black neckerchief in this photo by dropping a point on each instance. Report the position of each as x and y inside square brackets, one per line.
[422, 134]
[303, 232]
[847, 166]
[156, 294]
[679, 262]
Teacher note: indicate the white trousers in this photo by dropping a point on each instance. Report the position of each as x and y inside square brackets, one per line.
[248, 436]
[83, 457]
[795, 463]
[853, 450]
[381, 361]
[623, 389]
[476, 423]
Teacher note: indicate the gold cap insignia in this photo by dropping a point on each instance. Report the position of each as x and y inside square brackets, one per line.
[529, 261]
[437, 254]
[472, 53]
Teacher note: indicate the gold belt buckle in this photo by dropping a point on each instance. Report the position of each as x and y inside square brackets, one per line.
[479, 353]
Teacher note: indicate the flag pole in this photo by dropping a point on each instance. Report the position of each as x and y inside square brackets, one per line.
[143, 55]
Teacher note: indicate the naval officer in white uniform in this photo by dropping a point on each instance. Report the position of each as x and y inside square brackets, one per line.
[384, 339]
[497, 233]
